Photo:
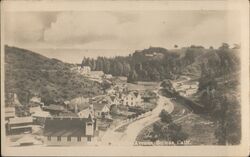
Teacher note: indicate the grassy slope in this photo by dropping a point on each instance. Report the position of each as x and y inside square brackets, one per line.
[28, 73]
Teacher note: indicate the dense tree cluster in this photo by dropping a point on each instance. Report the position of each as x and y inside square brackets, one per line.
[167, 130]
[152, 64]
[218, 86]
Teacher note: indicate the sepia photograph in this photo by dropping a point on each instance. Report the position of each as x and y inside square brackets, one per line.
[161, 76]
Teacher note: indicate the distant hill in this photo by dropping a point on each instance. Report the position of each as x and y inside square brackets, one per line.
[152, 64]
[28, 73]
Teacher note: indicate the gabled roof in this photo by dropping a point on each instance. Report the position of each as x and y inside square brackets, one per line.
[99, 106]
[73, 127]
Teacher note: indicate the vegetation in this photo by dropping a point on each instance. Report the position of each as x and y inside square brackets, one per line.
[218, 93]
[28, 74]
[167, 130]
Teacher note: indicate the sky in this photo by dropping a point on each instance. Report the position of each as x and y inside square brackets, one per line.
[71, 35]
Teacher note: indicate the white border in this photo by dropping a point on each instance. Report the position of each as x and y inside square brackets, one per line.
[63, 5]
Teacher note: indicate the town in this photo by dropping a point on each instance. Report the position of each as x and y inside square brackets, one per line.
[82, 120]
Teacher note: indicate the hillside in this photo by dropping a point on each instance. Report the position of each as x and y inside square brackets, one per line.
[152, 64]
[28, 73]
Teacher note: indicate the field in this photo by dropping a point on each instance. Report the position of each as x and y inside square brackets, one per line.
[143, 86]
[199, 129]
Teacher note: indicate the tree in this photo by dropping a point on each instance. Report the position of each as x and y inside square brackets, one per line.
[132, 78]
[228, 129]
[165, 117]
[105, 85]
[126, 69]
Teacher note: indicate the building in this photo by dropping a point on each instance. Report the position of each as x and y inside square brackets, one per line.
[19, 125]
[70, 131]
[54, 109]
[114, 100]
[101, 110]
[33, 109]
[132, 99]
[40, 116]
[96, 74]
[85, 70]
[86, 112]
[108, 76]
[10, 112]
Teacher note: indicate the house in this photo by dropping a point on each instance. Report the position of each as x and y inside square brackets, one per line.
[148, 96]
[35, 108]
[114, 100]
[10, 112]
[54, 109]
[101, 110]
[132, 99]
[70, 131]
[85, 70]
[96, 74]
[40, 116]
[108, 76]
[86, 112]
[19, 125]
[111, 91]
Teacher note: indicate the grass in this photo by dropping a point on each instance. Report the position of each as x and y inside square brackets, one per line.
[143, 86]
[199, 128]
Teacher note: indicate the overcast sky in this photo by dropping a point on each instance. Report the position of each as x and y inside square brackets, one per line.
[125, 31]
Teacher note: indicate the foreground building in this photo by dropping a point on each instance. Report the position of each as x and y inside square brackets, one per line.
[19, 125]
[10, 112]
[70, 131]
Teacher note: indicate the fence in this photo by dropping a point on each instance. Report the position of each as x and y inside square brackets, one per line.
[127, 121]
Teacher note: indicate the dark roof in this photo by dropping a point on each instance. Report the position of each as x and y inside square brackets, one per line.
[54, 107]
[99, 106]
[73, 127]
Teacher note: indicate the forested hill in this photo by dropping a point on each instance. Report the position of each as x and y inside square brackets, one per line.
[28, 73]
[152, 64]
[219, 92]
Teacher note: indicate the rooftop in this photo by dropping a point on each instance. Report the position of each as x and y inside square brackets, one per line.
[10, 109]
[73, 127]
[20, 120]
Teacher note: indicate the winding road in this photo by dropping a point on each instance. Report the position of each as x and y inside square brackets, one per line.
[127, 138]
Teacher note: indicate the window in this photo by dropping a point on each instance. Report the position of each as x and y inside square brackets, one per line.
[69, 138]
[89, 138]
[78, 138]
[58, 138]
[89, 124]
[49, 138]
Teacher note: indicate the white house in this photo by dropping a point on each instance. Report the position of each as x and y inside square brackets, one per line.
[34, 109]
[101, 110]
[70, 131]
[96, 74]
[85, 70]
[108, 76]
[132, 99]
[86, 112]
